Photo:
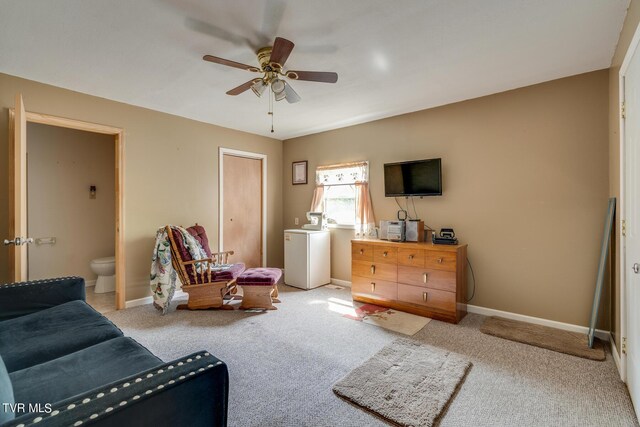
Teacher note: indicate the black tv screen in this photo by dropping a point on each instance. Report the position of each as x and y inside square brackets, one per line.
[416, 178]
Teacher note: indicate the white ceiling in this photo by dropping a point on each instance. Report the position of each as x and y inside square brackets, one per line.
[392, 57]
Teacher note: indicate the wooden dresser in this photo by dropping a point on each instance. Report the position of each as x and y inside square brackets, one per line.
[420, 278]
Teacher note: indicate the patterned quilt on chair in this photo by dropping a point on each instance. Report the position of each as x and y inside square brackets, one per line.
[163, 277]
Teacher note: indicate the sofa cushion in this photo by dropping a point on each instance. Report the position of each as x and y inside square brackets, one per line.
[82, 371]
[45, 335]
[228, 274]
[200, 235]
[6, 394]
[260, 276]
[20, 299]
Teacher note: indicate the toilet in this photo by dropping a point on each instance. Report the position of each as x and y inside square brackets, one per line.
[105, 268]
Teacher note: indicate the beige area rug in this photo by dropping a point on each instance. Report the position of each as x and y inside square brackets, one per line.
[388, 318]
[408, 383]
[573, 343]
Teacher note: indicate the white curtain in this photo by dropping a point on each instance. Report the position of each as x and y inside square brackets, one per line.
[342, 173]
[365, 219]
[318, 199]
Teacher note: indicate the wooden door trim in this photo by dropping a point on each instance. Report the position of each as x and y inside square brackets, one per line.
[118, 134]
[12, 190]
[635, 42]
[248, 155]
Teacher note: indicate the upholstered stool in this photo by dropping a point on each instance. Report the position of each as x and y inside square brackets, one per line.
[259, 287]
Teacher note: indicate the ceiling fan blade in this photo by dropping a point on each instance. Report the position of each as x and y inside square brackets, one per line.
[242, 88]
[229, 63]
[217, 32]
[290, 95]
[313, 76]
[280, 51]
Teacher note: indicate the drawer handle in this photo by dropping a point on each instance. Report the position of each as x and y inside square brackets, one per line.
[373, 269]
[384, 254]
[425, 276]
[410, 256]
[424, 296]
[439, 260]
[361, 251]
[373, 287]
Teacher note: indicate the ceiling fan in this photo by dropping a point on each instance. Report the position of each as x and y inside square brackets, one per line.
[272, 60]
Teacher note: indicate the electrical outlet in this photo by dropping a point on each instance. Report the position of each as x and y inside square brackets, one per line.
[296, 221]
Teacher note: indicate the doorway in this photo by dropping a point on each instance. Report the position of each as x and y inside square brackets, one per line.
[630, 208]
[19, 238]
[71, 209]
[242, 192]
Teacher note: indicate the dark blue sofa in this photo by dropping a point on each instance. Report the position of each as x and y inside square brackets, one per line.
[64, 364]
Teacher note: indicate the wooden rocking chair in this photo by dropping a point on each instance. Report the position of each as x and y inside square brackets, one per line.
[206, 286]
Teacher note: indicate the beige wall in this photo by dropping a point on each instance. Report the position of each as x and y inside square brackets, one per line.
[630, 24]
[525, 176]
[62, 165]
[171, 170]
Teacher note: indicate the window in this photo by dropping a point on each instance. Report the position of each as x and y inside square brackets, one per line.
[342, 193]
[340, 204]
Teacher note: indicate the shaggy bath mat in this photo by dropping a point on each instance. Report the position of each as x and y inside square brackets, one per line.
[406, 382]
[573, 343]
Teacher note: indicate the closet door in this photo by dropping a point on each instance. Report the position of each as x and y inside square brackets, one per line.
[242, 208]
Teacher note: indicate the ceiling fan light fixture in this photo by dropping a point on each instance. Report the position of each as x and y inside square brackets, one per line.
[291, 96]
[277, 86]
[258, 87]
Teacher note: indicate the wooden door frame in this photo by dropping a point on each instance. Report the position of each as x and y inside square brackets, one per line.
[635, 42]
[118, 134]
[248, 155]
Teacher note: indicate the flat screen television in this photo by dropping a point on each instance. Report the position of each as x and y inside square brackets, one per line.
[415, 178]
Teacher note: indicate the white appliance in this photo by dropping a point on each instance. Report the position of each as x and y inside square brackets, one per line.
[307, 258]
[316, 221]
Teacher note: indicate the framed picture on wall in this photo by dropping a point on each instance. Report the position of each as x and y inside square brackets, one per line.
[299, 172]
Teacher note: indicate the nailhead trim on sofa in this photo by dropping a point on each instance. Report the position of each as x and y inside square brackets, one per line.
[101, 402]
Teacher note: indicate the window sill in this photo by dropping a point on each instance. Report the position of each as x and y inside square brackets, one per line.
[341, 226]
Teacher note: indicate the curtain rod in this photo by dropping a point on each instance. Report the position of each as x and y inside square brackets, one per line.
[338, 185]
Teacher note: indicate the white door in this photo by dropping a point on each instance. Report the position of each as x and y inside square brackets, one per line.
[632, 218]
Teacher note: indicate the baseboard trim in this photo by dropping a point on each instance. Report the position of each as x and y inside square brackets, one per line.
[339, 282]
[148, 300]
[603, 335]
[89, 283]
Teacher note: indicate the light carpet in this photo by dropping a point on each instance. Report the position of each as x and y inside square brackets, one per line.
[573, 343]
[406, 382]
[283, 363]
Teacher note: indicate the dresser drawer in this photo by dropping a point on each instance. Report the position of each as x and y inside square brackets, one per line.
[440, 260]
[432, 298]
[361, 252]
[435, 279]
[374, 288]
[381, 271]
[386, 255]
[411, 257]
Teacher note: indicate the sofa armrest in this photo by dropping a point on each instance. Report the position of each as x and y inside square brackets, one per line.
[18, 299]
[189, 391]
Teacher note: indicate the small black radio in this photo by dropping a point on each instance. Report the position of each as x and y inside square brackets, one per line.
[447, 237]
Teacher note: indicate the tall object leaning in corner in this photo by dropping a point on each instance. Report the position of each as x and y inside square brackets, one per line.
[604, 252]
